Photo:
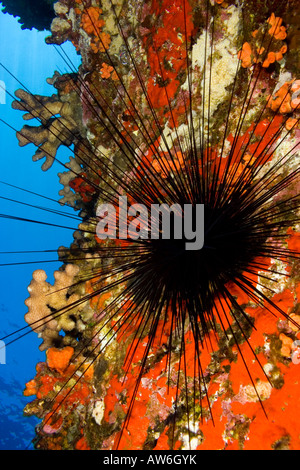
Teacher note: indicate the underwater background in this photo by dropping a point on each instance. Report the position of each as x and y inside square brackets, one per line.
[26, 55]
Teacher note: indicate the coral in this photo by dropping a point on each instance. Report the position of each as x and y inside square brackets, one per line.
[39, 314]
[277, 29]
[53, 131]
[69, 197]
[266, 46]
[286, 100]
[50, 378]
[91, 20]
[92, 24]
[50, 307]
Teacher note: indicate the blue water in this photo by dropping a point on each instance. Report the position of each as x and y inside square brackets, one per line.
[31, 60]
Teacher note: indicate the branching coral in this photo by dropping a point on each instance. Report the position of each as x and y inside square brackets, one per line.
[108, 71]
[50, 307]
[39, 314]
[69, 197]
[58, 114]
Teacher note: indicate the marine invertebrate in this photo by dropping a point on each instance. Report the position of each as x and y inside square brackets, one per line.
[65, 178]
[53, 131]
[286, 101]
[45, 299]
[51, 377]
[173, 332]
[59, 359]
[266, 44]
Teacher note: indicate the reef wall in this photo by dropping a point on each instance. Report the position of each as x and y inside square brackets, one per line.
[156, 60]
